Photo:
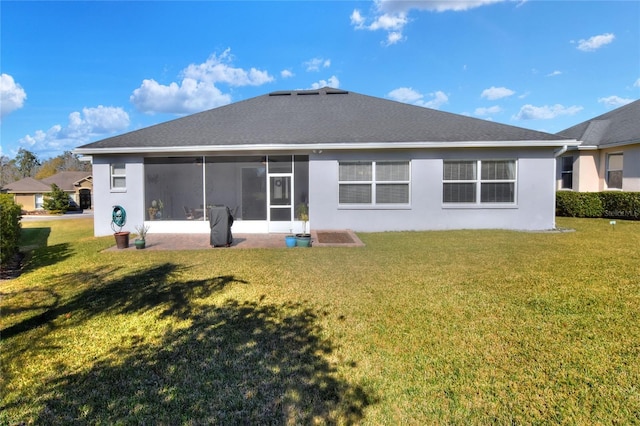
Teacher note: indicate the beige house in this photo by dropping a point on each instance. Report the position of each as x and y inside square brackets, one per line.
[30, 192]
[608, 157]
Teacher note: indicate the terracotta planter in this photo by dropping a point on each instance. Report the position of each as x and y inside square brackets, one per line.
[122, 239]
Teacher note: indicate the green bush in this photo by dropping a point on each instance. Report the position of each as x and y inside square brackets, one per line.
[56, 201]
[610, 204]
[621, 204]
[578, 204]
[10, 215]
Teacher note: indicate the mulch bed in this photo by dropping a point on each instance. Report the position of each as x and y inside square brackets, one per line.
[327, 237]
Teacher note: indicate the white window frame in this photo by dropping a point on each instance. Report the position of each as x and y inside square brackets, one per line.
[609, 170]
[373, 182]
[38, 201]
[477, 181]
[114, 173]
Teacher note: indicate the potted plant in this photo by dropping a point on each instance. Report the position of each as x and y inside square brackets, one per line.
[118, 219]
[155, 211]
[290, 239]
[302, 213]
[140, 242]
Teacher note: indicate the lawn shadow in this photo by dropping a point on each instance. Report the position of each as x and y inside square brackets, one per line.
[238, 363]
[47, 255]
[146, 289]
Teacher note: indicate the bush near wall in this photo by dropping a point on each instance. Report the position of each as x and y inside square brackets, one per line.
[620, 205]
[10, 215]
[623, 205]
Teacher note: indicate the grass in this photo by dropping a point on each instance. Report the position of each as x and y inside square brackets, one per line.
[469, 327]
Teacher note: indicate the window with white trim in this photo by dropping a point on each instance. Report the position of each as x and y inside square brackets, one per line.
[118, 176]
[614, 171]
[39, 201]
[479, 182]
[374, 182]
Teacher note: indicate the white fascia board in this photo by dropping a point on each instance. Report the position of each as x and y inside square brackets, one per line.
[328, 146]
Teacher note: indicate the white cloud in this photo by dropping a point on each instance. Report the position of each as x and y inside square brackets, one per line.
[81, 128]
[331, 82]
[286, 74]
[316, 63]
[12, 95]
[394, 37]
[637, 83]
[487, 111]
[494, 93]
[595, 42]
[188, 97]
[409, 96]
[198, 90]
[547, 112]
[614, 101]
[392, 15]
[554, 73]
[432, 5]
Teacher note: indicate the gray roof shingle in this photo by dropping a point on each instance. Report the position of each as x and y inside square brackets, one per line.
[620, 126]
[324, 116]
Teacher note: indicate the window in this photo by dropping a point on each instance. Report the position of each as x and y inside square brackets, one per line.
[567, 172]
[374, 182]
[39, 204]
[496, 182]
[614, 171]
[118, 176]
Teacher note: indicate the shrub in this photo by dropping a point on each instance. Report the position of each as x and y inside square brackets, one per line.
[56, 201]
[10, 215]
[621, 204]
[578, 204]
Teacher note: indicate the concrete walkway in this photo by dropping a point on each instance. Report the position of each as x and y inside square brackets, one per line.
[240, 241]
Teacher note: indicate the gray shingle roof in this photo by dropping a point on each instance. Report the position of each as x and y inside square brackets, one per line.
[324, 116]
[620, 126]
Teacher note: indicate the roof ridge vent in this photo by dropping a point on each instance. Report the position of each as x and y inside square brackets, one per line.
[280, 93]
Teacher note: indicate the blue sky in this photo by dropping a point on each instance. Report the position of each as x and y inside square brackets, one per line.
[76, 72]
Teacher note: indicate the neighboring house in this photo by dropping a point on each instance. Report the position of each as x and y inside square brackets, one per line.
[358, 162]
[30, 192]
[608, 157]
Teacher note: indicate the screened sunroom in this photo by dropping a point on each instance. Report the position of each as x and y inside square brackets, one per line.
[262, 192]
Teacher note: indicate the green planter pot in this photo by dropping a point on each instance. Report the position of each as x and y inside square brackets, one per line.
[140, 244]
[303, 240]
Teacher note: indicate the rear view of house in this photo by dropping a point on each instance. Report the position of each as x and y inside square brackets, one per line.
[355, 161]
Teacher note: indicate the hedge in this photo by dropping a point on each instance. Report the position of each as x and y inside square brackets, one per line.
[619, 205]
[10, 215]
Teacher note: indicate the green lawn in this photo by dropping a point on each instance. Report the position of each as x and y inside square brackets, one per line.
[458, 327]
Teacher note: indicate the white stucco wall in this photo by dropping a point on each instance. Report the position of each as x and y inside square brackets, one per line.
[534, 210]
[131, 198]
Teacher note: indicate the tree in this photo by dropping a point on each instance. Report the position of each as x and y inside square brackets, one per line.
[57, 200]
[8, 171]
[27, 163]
[64, 162]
